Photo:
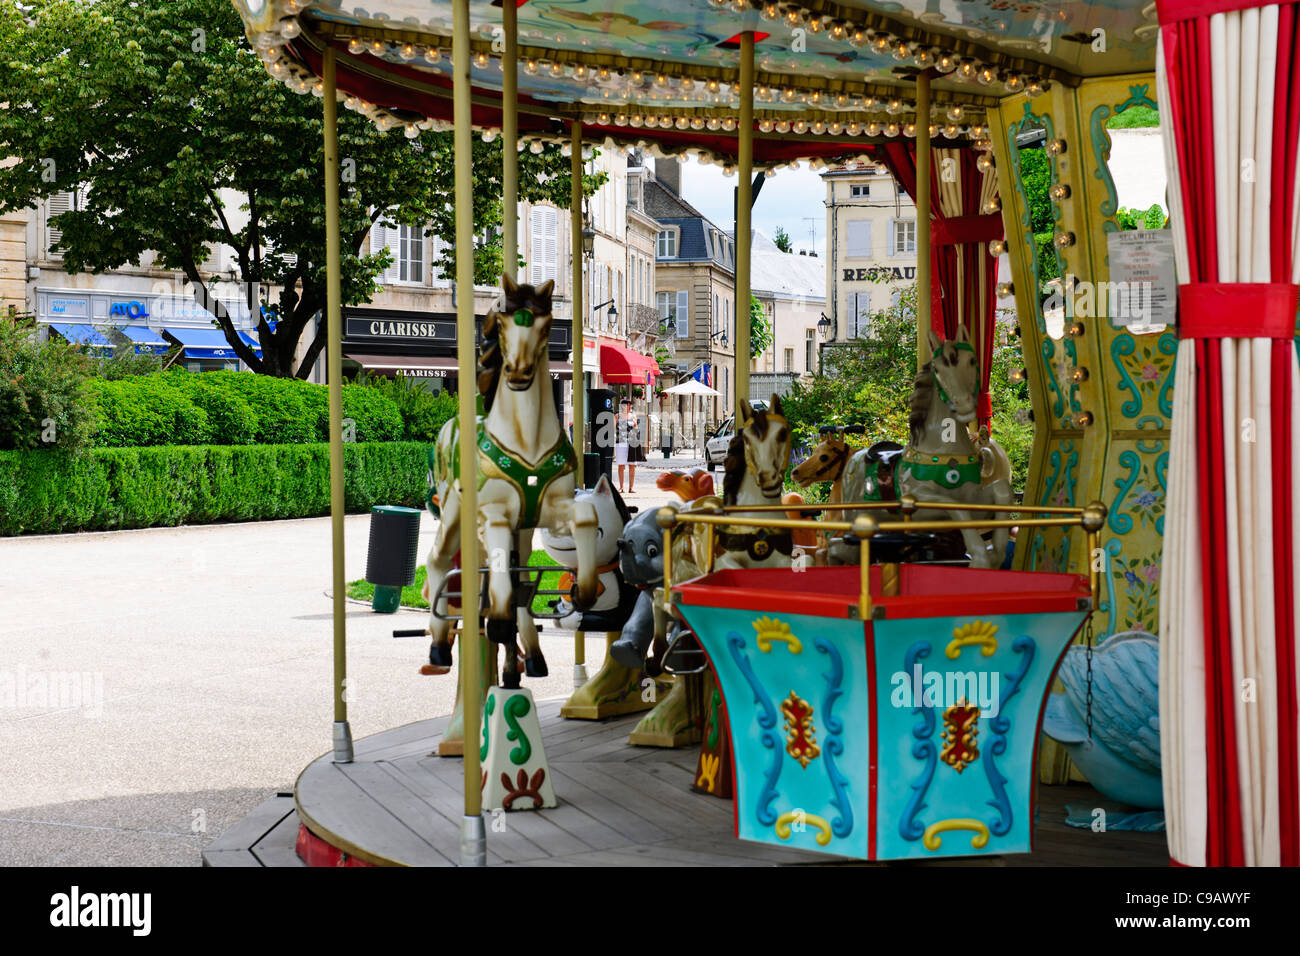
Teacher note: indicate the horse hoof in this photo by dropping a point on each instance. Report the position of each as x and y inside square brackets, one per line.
[429, 670]
[535, 666]
[440, 656]
[626, 653]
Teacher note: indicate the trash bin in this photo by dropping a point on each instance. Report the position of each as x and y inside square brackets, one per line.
[666, 442]
[392, 555]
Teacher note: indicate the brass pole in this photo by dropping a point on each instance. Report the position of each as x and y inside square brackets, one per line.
[579, 388]
[923, 277]
[342, 733]
[744, 203]
[864, 583]
[510, 140]
[473, 841]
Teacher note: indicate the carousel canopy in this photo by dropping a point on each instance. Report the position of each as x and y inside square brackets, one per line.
[840, 76]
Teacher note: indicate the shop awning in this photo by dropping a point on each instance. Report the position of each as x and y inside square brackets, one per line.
[81, 334]
[625, 367]
[252, 343]
[206, 343]
[145, 339]
[437, 365]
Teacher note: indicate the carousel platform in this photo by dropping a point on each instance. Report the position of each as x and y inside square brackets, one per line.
[398, 805]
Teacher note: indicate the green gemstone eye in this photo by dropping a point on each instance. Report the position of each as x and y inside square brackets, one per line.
[524, 317]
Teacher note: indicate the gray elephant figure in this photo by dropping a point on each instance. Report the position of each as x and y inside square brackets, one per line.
[641, 560]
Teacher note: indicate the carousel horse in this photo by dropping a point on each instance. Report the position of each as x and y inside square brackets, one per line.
[525, 472]
[941, 461]
[687, 485]
[756, 464]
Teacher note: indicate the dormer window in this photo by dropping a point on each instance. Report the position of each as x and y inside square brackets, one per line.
[666, 244]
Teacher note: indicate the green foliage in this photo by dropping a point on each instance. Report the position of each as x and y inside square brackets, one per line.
[1036, 176]
[157, 108]
[123, 362]
[1135, 117]
[1153, 218]
[1012, 428]
[43, 400]
[782, 240]
[232, 408]
[866, 380]
[105, 488]
[423, 410]
[760, 327]
[1049, 265]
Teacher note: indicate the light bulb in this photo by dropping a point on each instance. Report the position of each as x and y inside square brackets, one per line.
[1054, 147]
[1059, 192]
[1014, 83]
[996, 248]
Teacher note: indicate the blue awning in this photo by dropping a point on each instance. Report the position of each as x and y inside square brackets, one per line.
[251, 343]
[145, 340]
[81, 334]
[203, 343]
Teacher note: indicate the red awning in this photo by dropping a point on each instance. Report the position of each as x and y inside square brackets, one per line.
[626, 367]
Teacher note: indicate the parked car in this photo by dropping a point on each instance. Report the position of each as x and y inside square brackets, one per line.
[717, 442]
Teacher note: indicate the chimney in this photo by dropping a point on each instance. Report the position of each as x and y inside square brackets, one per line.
[668, 171]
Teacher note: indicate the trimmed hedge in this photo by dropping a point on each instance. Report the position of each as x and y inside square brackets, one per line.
[47, 491]
[232, 408]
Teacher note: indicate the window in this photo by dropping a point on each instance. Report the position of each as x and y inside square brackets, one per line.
[857, 236]
[56, 205]
[543, 252]
[666, 246]
[789, 360]
[676, 306]
[809, 347]
[858, 315]
[904, 237]
[716, 317]
[410, 253]
[860, 190]
[439, 247]
[726, 320]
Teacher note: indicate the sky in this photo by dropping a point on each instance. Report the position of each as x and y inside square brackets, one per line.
[786, 200]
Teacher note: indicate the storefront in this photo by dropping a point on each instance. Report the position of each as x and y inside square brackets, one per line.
[422, 345]
[112, 321]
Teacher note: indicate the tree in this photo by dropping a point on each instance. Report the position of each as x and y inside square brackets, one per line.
[760, 328]
[782, 240]
[159, 111]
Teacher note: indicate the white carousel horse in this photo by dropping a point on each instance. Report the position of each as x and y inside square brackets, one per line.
[525, 471]
[941, 461]
[756, 464]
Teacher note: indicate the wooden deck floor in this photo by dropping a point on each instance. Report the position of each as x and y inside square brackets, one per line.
[619, 806]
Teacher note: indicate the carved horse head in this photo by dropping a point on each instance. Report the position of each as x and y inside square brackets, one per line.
[955, 373]
[760, 449]
[515, 338]
[827, 461]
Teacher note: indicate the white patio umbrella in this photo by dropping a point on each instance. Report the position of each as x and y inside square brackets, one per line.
[692, 387]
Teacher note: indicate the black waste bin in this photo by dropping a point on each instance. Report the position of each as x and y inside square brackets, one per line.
[392, 556]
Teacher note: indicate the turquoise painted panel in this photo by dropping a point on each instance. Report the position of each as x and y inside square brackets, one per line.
[943, 790]
[819, 802]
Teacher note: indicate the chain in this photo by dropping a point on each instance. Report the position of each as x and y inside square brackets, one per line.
[1087, 636]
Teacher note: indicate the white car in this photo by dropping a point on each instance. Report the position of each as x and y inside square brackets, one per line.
[715, 448]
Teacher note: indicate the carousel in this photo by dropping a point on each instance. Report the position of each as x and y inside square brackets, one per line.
[873, 678]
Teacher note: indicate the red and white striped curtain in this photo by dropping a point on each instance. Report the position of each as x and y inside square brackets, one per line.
[963, 272]
[1229, 89]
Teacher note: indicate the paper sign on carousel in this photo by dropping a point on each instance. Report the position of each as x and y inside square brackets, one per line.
[913, 735]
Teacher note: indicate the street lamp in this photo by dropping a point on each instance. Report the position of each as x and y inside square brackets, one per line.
[613, 311]
[825, 327]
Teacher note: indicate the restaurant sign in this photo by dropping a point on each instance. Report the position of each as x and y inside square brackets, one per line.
[880, 274]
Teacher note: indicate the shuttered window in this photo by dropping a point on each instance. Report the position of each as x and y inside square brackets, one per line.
[543, 251]
[858, 239]
[384, 237]
[56, 205]
[904, 237]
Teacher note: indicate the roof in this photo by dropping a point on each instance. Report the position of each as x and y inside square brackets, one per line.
[784, 274]
[692, 244]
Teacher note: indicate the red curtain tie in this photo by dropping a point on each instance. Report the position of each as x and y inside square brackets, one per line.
[1237, 310]
[984, 409]
[955, 230]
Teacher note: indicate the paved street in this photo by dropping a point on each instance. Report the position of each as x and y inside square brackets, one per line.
[194, 665]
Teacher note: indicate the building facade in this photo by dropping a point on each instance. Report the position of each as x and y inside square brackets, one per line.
[791, 288]
[871, 245]
[695, 288]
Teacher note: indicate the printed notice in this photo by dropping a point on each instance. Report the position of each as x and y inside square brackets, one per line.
[1143, 289]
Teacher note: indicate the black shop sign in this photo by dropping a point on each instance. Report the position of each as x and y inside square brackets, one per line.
[880, 274]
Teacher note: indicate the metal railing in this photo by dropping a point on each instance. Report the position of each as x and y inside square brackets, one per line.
[864, 527]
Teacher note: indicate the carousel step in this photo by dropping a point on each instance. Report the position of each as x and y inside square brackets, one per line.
[266, 837]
